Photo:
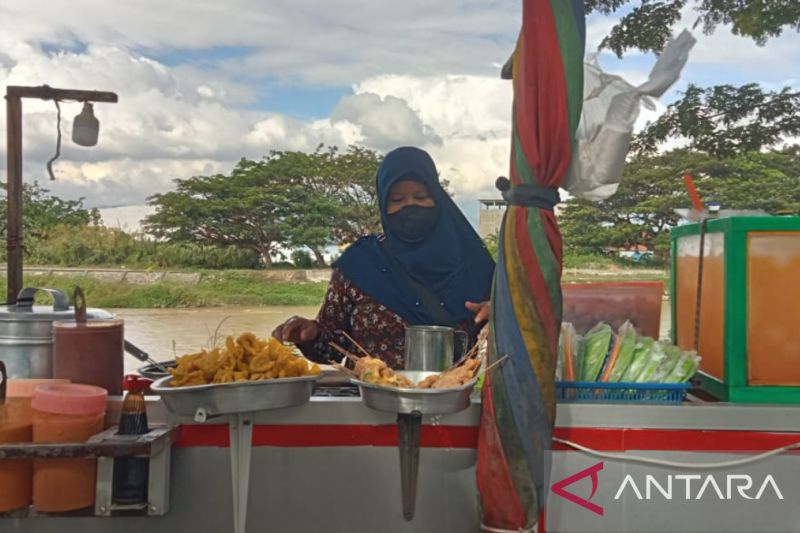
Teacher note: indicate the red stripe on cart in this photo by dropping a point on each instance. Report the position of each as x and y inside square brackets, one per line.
[601, 439]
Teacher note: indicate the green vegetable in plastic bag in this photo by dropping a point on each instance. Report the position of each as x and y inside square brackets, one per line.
[627, 337]
[568, 354]
[595, 349]
[687, 366]
[641, 354]
[656, 359]
[560, 360]
[577, 354]
[673, 356]
[479, 383]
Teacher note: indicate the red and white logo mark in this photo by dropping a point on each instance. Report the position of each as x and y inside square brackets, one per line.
[559, 488]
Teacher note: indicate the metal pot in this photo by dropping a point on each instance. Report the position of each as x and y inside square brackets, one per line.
[26, 332]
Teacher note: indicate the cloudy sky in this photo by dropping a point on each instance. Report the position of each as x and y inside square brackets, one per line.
[202, 84]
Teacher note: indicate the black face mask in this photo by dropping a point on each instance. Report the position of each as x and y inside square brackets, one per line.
[412, 223]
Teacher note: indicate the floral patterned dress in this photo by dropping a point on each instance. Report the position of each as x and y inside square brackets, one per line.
[375, 327]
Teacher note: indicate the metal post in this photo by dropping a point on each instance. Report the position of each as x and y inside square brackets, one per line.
[14, 195]
[14, 96]
[409, 427]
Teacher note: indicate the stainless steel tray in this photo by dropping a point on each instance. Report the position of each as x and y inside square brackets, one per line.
[424, 401]
[203, 401]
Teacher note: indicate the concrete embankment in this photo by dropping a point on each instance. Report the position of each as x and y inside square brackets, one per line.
[149, 277]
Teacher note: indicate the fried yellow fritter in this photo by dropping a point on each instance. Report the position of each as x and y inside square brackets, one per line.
[246, 358]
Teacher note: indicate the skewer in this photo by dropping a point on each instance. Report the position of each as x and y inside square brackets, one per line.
[467, 356]
[351, 339]
[344, 369]
[352, 357]
[344, 352]
[494, 364]
[473, 351]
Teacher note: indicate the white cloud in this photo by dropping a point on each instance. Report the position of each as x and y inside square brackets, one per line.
[471, 116]
[170, 123]
[385, 122]
[278, 132]
[725, 50]
[127, 218]
[331, 42]
[116, 182]
[450, 104]
[421, 73]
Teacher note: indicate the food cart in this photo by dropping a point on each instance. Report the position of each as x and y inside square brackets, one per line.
[332, 464]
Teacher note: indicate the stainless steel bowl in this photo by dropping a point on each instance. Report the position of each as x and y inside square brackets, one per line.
[425, 401]
[203, 401]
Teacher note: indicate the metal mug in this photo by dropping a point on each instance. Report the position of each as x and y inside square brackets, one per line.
[431, 348]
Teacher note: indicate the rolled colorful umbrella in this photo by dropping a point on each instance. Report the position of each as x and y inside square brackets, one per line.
[519, 397]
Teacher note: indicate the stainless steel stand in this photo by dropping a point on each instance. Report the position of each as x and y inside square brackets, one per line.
[155, 445]
[408, 427]
[241, 432]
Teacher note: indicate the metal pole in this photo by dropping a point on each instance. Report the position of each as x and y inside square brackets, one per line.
[14, 96]
[14, 195]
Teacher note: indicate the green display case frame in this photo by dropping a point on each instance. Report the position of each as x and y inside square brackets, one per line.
[734, 387]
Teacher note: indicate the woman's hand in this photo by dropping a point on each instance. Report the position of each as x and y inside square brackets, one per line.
[481, 310]
[298, 330]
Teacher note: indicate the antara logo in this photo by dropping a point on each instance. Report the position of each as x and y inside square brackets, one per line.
[742, 483]
[558, 488]
[695, 487]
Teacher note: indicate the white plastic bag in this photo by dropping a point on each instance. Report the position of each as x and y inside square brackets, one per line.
[610, 109]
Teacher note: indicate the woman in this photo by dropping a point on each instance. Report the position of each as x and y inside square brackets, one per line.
[428, 267]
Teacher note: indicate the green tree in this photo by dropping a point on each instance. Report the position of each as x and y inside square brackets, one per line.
[340, 200]
[250, 209]
[44, 212]
[287, 199]
[643, 209]
[334, 195]
[302, 259]
[721, 120]
[725, 120]
[492, 244]
[647, 26]
[355, 171]
[724, 126]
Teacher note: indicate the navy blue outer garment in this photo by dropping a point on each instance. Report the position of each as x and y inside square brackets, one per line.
[450, 260]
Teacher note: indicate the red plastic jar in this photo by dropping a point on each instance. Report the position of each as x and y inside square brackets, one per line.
[16, 426]
[66, 413]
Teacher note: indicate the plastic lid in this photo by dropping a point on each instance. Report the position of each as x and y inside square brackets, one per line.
[23, 388]
[64, 326]
[69, 399]
[136, 383]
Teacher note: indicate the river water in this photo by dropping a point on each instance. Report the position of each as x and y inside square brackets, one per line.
[166, 332]
[163, 333]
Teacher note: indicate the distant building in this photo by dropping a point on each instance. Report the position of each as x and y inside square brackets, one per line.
[491, 216]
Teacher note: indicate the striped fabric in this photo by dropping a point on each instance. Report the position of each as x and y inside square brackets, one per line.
[519, 397]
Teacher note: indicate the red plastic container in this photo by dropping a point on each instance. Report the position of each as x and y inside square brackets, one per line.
[587, 304]
[16, 425]
[90, 352]
[66, 413]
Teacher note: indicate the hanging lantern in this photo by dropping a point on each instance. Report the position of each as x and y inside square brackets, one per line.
[86, 127]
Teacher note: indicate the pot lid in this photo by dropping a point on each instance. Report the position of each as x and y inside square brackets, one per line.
[24, 310]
